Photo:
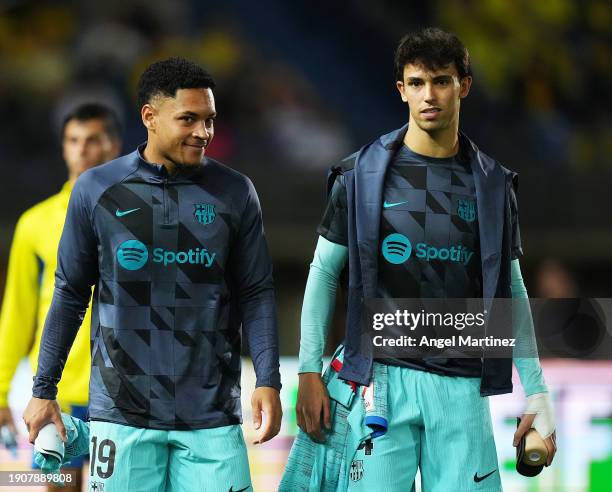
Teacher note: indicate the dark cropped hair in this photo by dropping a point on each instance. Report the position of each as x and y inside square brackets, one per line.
[434, 48]
[95, 111]
[167, 76]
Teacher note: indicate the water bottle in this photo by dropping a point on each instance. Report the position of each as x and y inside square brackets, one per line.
[9, 439]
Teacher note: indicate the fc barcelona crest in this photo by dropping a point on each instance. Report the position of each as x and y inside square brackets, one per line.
[466, 209]
[356, 471]
[204, 213]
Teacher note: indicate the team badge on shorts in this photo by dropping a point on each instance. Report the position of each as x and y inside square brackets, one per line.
[466, 209]
[356, 471]
[204, 213]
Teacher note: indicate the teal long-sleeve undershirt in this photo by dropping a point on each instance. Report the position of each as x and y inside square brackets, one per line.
[320, 300]
[528, 368]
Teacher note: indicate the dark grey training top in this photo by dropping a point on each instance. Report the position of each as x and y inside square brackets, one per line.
[179, 262]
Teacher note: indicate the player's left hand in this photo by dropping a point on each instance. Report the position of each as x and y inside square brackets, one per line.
[539, 415]
[267, 409]
[41, 412]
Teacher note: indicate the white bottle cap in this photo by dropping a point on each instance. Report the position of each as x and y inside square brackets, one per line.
[49, 442]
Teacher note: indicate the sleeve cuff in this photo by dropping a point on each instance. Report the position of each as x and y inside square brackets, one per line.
[535, 389]
[44, 389]
[271, 382]
[310, 367]
[331, 236]
[517, 252]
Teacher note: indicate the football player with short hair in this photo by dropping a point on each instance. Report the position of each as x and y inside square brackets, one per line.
[174, 243]
[90, 136]
[423, 184]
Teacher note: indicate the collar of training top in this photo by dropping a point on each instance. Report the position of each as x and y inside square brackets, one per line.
[159, 170]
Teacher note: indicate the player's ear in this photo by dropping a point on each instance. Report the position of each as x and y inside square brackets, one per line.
[465, 84]
[400, 87]
[148, 113]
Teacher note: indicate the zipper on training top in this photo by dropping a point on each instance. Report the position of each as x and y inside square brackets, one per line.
[165, 202]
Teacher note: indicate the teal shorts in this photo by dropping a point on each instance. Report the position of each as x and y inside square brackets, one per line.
[437, 424]
[148, 460]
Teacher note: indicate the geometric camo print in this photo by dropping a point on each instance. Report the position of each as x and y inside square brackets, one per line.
[435, 198]
[430, 193]
[164, 353]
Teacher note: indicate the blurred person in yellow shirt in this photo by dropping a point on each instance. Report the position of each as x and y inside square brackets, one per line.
[90, 136]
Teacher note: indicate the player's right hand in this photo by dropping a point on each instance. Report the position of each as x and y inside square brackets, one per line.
[39, 413]
[312, 407]
[6, 419]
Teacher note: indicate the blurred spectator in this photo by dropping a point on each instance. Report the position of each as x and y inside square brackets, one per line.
[302, 131]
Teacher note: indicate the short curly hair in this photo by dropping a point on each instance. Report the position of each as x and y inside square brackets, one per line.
[167, 76]
[434, 48]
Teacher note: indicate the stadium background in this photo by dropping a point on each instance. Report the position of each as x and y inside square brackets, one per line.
[301, 84]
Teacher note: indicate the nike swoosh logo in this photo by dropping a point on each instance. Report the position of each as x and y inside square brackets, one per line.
[389, 205]
[119, 213]
[480, 479]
